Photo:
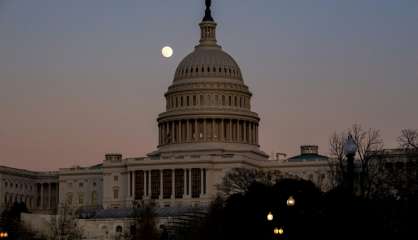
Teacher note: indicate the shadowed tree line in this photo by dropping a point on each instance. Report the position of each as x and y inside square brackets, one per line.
[383, 205]
[10, 221]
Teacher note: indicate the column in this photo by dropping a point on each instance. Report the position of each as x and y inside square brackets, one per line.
[204, 130]
[249, 132]
[180, 133]
[190, 182]
[159, 134]
[213, 130]
[196, 132]
[133, 185]
[188, 131]
[230, 130]
[167, 132]
[172, 131]
[42, 196]
[245, 131]
[173, 180]
[256, 134]
[49, 195]
[201, 182]
[130, 183]
[222, 137]
[161, 184]
[238, 132]
[185, 184]
[149, 183]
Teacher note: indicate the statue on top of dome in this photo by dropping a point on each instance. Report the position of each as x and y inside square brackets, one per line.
[208, 15]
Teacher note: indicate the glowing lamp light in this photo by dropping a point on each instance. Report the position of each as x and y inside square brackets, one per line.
[4, 234]
[278, 231]
[270, 216]
[290, 201]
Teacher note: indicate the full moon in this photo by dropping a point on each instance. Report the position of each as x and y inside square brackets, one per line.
[167, 51]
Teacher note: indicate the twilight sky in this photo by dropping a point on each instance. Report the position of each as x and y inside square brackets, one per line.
[81, 78]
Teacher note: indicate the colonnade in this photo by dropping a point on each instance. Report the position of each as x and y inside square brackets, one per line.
[47, 196]
[208, 130]
[167, 183]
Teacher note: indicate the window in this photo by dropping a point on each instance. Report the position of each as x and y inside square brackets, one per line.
[70, 185]
[119, 229]
[81, 198]
[115, 178]
[80, 184]
[155, 184]
[194, 100]
[167, 183]
[94, 198]
[139, 184]
[202, 101]
[115, 193]
[179, 183]
[223, 100]
[187, 101]
[94, 184]
[69, 198]
[196, 182]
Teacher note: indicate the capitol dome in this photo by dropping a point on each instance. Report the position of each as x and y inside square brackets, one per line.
[208, 106]
[207, 61]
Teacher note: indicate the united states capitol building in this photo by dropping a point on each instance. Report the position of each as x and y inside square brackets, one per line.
[208, 127]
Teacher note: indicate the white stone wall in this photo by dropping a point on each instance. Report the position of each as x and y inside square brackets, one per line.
[81, 185]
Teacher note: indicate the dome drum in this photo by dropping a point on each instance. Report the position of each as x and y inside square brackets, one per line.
[196, 130]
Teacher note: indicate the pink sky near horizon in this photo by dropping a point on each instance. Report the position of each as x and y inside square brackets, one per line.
[80, 79]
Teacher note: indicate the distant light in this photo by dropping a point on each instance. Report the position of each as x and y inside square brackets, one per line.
[290, 201]
[270, 216]
[4, 234]
[167, 52]
[278, 231]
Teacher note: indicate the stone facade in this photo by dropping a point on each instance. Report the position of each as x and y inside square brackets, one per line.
[207, 128]
[38, 190]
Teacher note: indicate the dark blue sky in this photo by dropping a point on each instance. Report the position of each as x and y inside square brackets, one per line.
[81, 78]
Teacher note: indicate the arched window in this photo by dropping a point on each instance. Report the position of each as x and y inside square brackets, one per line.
[118, 229]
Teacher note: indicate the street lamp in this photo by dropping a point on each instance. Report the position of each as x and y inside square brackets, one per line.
[290, 201]
[4, 234]
[350, 149]
[270, 216]
[278, 231]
